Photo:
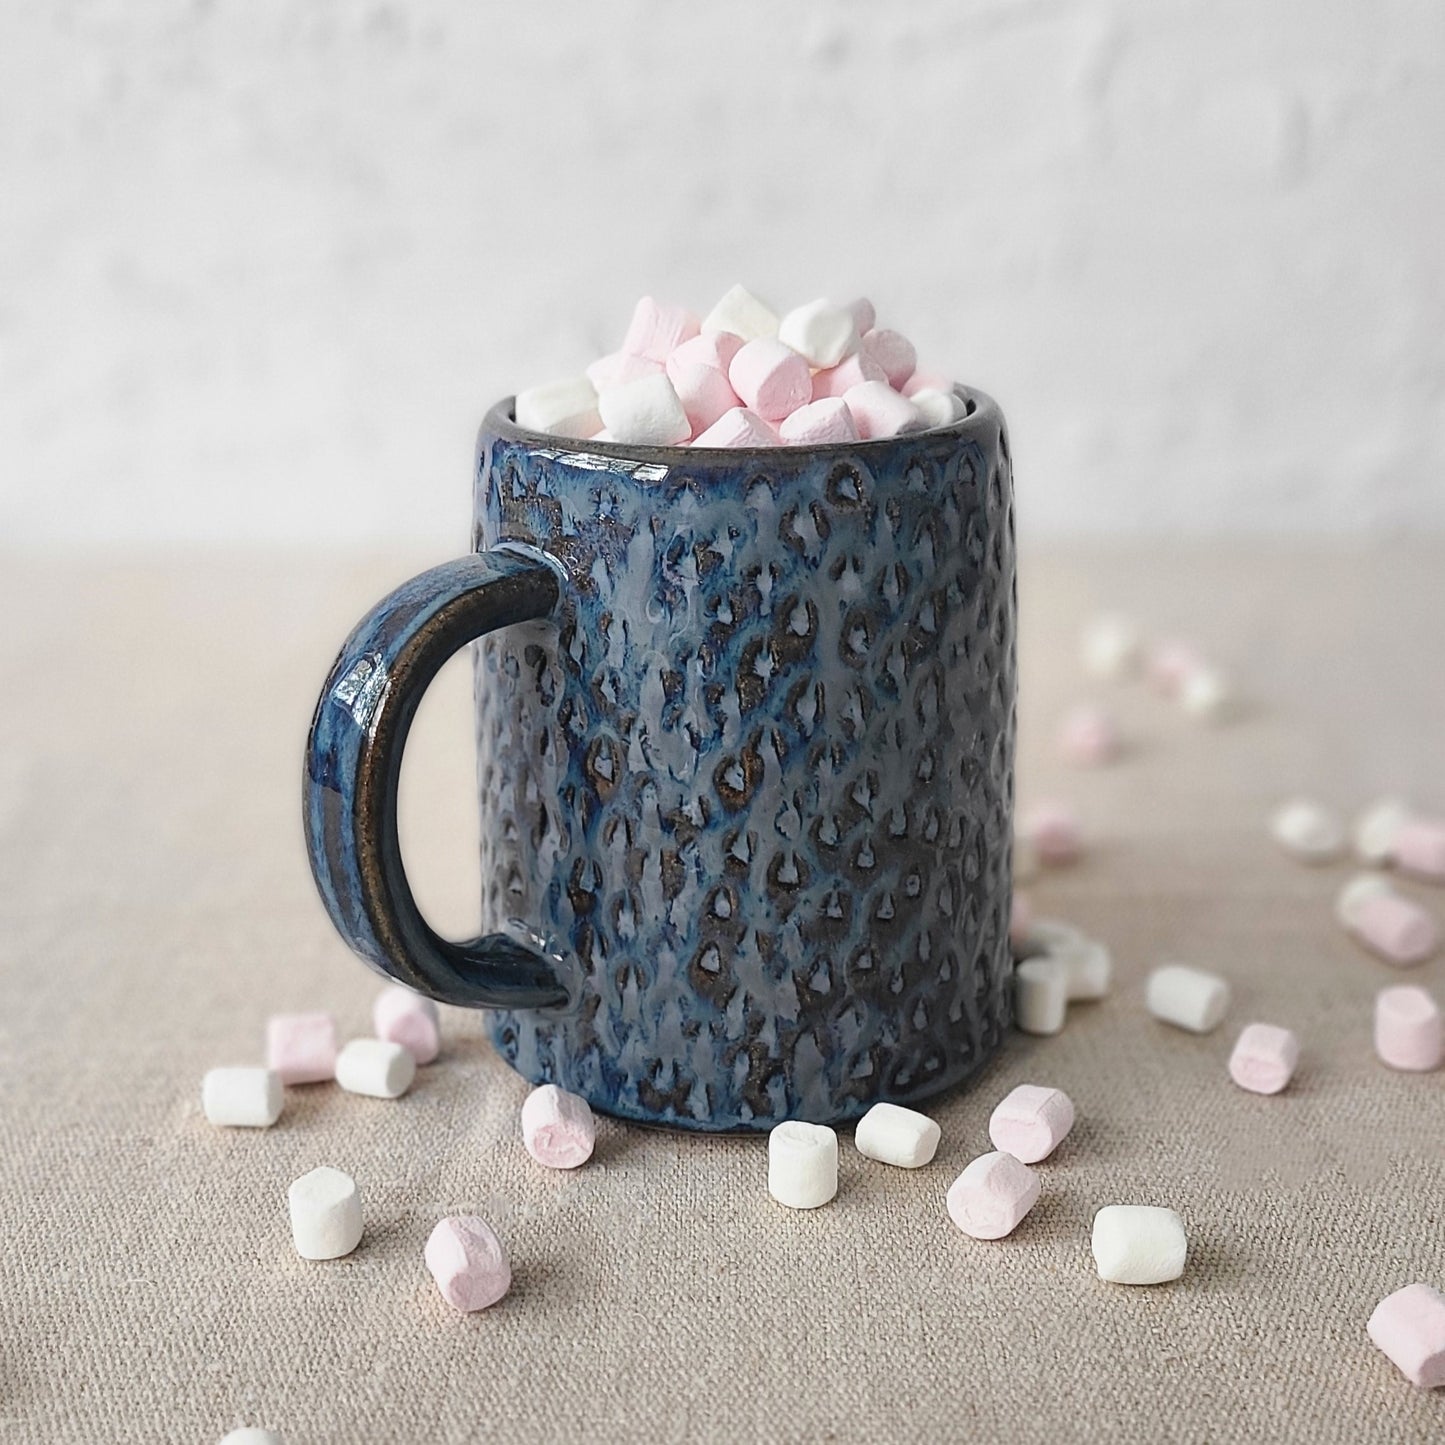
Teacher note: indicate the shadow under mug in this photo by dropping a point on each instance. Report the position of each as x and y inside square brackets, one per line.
[745, 735]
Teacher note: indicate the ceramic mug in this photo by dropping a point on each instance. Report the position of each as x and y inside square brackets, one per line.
[745, 730]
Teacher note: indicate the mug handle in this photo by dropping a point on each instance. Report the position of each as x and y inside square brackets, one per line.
[353, 767]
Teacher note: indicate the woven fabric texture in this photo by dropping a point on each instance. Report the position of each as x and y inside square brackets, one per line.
[156, 907]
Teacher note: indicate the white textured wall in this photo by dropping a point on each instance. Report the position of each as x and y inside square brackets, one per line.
[264, 263]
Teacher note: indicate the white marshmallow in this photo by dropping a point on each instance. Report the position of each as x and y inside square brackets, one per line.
[1139, 1244]
[325, 1214]
[1377, 828]
[1089, 967]
[892, 1134]
[248, 1435]
[646, 412]
[1041, 995]
[939, 408]
[1207, 695]
[742, 314]
[1111, 645]
[820, 332]
[375, 1067]
[1308, 832]
[1356, 893]
[1188, 998]
[242, 1098]
[802, 1164]
[564, 408]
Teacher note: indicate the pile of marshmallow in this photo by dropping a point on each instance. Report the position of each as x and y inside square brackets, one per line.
[743, 376]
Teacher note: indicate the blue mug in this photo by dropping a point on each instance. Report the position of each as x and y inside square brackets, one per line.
[745, 727]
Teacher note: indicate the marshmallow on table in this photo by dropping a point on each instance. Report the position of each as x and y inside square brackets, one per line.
[1409, 1030]
[879, 411]
[1376, 828]
[618, 368]
[742, 314]
[1088, 968]
[249, 1435]
[375, 1067]
[468, 1263]
[821, 333]
[1170, 663]
[1205, 694]
[645, 412]
[1110, 647]
[558, 1129]
[325, 1211]
[1355, 893]
[402, 1017]
[937, 408]
[1264, 1058]
[301, 1047]
[704, 393]
[737, 428]
[992, 1195]
[802, 1164]
[1188, 998]
[1419, 848]
[1031, 1122]
[770, 379]
[1395, 929]
[892, 1134]
[893, 352]
[924, 380]
[819, 423]
[564, 408]
[1041, 995]
[713, 348]
[1308, 832]
[850, 372]
[1139, 1244]
[1409, 1326]
[1054, 832]
[246, 1098]
[862, 313]
[657, 329]
[1089, 736]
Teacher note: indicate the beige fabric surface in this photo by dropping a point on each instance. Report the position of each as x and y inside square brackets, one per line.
[156, 906]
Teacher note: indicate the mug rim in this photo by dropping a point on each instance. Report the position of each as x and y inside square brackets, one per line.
[983, 413]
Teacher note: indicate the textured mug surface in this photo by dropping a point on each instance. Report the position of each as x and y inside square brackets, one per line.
[751, 782]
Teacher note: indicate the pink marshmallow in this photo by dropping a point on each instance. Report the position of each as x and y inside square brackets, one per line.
[1031, 1122]
[1089, 736]
[557, 1128]
[1409, 1030]
[301, 1047]
[819, 423]
[1054, 832]
[893, 352]
[770, 378]
[1419, 848]
[862, 313]
[618, 369]
[1171, 664]
[704, 393]
[879, 411]
[1264, 1058]
[1409, 1326]
[1395, 928]
[925, 380]
[850, 372]
[467, 1261]
[658, 329]
[713, 348]
[738, 428]
[992, 1195]
[402, 1017]
[1020, 921]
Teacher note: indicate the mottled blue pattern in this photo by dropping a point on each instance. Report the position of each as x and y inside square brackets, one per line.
[754, 777]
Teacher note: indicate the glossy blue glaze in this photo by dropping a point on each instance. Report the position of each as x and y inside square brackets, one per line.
[751, 779]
